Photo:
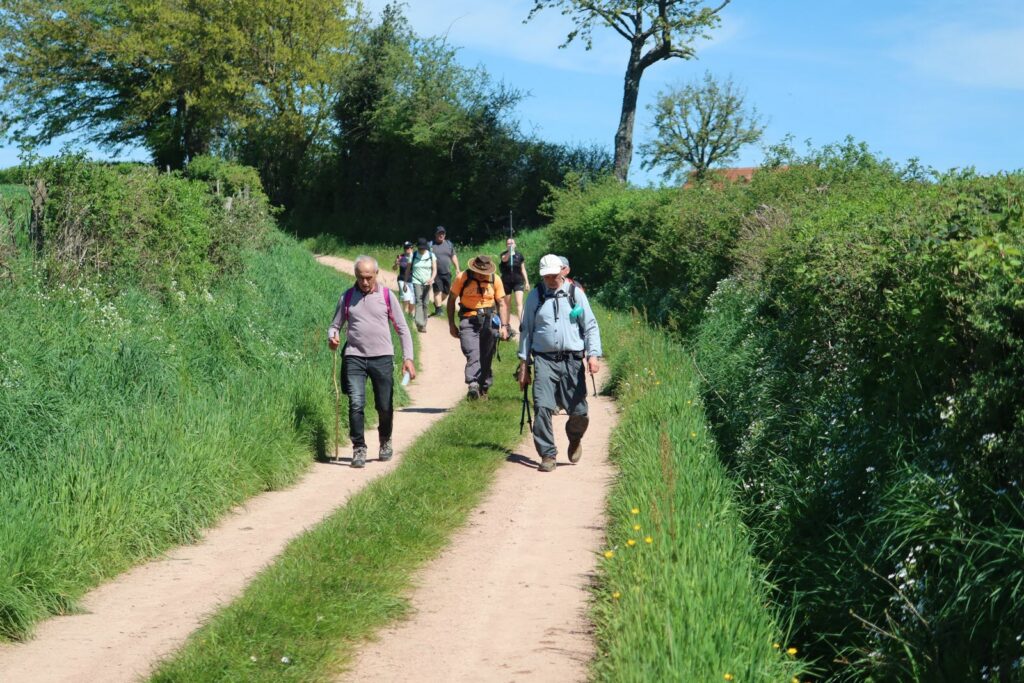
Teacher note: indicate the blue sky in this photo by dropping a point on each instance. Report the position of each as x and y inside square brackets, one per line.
[940, 80]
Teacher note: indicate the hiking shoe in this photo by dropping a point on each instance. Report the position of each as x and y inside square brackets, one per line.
[359, 456]
[474, 391]
[385, 451]
[547, 464]
[421, 328]
[575, 451]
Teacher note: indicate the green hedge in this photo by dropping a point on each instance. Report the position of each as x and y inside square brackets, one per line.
[862, 357]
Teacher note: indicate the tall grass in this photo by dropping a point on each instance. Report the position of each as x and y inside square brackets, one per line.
[129, 424]
[680, 597]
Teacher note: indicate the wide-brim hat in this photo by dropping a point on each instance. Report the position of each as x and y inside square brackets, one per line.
[482, 264]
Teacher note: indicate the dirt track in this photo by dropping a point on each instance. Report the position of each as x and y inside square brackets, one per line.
[146, 613]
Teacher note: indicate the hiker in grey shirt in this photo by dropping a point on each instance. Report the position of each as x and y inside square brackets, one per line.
[444, 250]
[369, 309]
[559, 335]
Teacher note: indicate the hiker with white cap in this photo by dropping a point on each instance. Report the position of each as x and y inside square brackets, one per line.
[481, 297]
[369, 309]
[560, 337]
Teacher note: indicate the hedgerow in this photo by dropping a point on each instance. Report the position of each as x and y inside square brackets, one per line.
[860, 332]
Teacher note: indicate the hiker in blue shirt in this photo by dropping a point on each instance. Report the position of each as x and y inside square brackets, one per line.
[560, 336]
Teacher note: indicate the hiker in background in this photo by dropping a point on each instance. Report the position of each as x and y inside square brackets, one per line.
[559, 335]
[512, 265]
[565, 273]
[423, 265]
[367, 308]
[445, 253]
[403, 266]
[479, 294]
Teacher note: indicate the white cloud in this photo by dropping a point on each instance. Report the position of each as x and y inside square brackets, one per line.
[983, 49]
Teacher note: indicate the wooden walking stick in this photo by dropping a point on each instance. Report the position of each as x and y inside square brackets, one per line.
[337, 402]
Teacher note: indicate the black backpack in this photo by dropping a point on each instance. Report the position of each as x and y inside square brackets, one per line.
[542, 297]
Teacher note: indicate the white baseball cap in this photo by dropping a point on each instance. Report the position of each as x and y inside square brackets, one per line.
[550, 265]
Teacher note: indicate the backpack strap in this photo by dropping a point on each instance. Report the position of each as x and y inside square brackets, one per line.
[387, 302]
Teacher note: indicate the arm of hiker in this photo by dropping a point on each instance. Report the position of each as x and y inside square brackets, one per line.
[402, 327]
[526, 278]
[592, 343]
[526, 326]
[499, 296]
[334, 331]
[523, 374]
[453, 329]
[433, 269]
[410, 367]
[455, 260]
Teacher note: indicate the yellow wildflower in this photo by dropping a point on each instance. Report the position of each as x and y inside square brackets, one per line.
[791, 651]
[616, 595]
[727, 677]
[693, 435]
[609, 554]
[776, 646]
[635, 511]
[648, 540]
[631, 543]
[636, 527]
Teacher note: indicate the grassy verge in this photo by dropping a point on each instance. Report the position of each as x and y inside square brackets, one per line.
[680, 596]
[338, 583]
[130, 424]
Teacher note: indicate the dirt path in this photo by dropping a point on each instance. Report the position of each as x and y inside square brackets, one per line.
[146, 613]
[507, 600]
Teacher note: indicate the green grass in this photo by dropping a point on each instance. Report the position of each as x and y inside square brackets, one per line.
[129, 425]
[689, 605]
[15, 207]
[341, 581]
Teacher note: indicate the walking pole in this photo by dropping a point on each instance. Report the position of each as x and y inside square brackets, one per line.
[525, 417]
[337, 402]
[594, 383]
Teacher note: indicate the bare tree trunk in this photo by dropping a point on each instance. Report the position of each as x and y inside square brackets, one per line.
[624, 135]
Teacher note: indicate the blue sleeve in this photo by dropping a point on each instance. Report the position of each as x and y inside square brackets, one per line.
[592, 343]
[526, 325]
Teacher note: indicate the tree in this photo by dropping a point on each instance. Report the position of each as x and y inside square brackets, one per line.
[175, 77]
[698, 125]
[655, 30]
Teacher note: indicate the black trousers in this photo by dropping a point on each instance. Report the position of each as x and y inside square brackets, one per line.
[381, 372]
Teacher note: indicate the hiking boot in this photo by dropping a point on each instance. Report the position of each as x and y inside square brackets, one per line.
[421, 328]
[474, 391]
[547, 464]
[386, 452]
[359, 456]
[575, 451]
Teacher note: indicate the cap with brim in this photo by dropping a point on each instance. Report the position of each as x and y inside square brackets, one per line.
[423, 243]
[406, 244]
[550, 265]
[439, 229]
[482, 264]
[565, 261]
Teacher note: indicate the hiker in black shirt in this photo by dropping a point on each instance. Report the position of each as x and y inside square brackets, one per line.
[513, 275]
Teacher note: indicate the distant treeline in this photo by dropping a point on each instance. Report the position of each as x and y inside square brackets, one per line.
[356, 125]
[859, 329]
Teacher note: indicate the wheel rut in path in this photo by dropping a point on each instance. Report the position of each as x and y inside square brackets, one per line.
[130, 623]
[507, 600]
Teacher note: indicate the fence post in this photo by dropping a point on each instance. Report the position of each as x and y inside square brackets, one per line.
[35, 226]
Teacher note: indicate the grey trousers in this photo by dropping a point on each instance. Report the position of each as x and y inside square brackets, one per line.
[422, 294]
[558, 384]
[478, 341]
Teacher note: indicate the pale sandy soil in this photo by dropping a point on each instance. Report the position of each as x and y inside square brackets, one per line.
[507, 600]
[143, 615]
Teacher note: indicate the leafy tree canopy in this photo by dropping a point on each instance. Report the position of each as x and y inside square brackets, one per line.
[699, 125]
[175, 77]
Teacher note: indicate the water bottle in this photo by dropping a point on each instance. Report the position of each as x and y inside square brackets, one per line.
[405, 378]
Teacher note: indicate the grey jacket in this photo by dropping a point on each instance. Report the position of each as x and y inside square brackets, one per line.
[549, 328]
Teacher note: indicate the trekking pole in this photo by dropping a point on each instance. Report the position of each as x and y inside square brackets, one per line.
[337, 402]
[525, 417]
[593, 382]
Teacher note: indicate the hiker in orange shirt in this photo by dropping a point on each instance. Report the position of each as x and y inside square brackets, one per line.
[483, 316]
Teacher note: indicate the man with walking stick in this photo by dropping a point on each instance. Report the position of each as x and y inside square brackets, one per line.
[367, 308]
[560, 337]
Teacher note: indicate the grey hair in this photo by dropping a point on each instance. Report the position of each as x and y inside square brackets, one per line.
[363, 258]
